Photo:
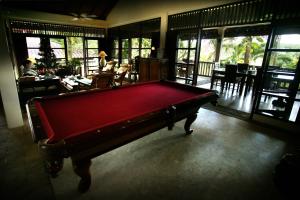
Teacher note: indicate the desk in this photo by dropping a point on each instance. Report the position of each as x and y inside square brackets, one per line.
[40, 81]
[37, 86]
[87, 124]
[73, 82]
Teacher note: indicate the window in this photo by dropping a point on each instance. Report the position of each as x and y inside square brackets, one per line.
[75, 47]
[243, 49]
[92, 58]
[208, 50]
[75, 50]
[280, 88]
[58, 46]
[115, 50]
[33, 45]
[125, 50]
[135, 47]
[145, 48]
[185, 56]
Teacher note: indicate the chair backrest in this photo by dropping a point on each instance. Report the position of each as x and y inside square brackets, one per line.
[121, 77]
[242, 67]
[230, 73]
[110, 66]
[136, 66]
[102, 80]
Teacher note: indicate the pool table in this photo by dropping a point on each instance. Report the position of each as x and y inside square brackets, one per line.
[84, 125]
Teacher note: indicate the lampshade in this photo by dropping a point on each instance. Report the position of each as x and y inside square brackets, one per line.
[32, 60]
[102, 54]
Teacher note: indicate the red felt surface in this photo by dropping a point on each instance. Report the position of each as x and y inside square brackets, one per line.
[70, 116]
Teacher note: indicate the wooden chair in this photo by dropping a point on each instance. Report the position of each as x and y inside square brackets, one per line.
[242, 67]
[120, 77]
[230, 77]
[110, 66]
[102, 80]
[215, 75]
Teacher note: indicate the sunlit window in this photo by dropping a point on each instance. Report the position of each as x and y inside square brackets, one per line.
[208, 50]
[243, 49]
[33, 45]
[115, 50]
[287, 41]
[58, 46]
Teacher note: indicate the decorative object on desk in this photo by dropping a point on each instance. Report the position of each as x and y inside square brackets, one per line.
[102, 55]
[48, 58]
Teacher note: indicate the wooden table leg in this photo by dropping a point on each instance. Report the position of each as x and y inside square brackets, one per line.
[212, 80]
[187, 126]
[82, 169]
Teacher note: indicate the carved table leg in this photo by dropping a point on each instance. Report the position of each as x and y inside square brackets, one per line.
[187, 126]
[82, 169]
[52, 155]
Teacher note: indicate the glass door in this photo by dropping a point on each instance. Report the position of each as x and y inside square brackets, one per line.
[279, 92]
[186, 57]
[91, 55]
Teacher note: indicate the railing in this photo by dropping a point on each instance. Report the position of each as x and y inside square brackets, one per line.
[205, 68]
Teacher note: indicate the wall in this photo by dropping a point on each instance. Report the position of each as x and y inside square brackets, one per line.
[8, 86]
[128, 11]
[52, 18]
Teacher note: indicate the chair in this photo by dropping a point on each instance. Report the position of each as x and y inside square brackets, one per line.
[121, 73]
[102, 80]
[242, 67]
[216, 77]
[110, 66]
[230, 77]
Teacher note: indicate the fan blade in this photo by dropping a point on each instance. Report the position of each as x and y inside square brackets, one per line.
[92, 16]
[75, 14]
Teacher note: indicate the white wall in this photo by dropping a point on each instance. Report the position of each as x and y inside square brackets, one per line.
[8, 86]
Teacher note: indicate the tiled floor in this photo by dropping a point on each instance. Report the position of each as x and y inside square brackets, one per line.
[225, 158]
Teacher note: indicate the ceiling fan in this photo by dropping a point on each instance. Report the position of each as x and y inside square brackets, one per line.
[82, 16]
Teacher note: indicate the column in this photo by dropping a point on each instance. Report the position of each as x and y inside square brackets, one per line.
[8, 85]
[163, 32]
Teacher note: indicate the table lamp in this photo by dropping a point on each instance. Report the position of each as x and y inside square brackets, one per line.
[102, 55]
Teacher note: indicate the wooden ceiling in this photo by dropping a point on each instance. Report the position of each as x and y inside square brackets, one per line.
[91, 9]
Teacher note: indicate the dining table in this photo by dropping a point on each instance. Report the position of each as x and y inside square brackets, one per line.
[247, 78]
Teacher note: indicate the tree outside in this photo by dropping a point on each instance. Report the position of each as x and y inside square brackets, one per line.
[208, 50]
[244, 49]
[286, 59]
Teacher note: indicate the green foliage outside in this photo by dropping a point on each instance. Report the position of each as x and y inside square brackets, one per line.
[75, 47]
[248, 49]
[208, 50]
